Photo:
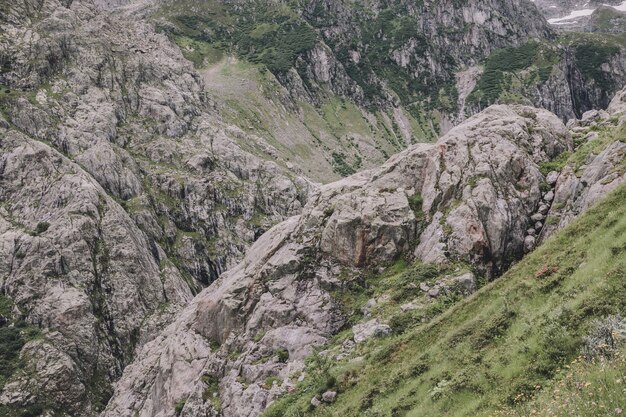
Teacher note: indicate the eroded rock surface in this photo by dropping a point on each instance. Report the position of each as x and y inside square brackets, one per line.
[122, 193]
[470, 196]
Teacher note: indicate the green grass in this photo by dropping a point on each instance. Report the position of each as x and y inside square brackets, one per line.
[606, 136]
[582, 388]
[495, 351]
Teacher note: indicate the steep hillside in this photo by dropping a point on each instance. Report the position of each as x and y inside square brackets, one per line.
[468, 200]
[493, 353]
[576, 73]
[122, 194]
[362, 81]
[166, 249]
[340, 86]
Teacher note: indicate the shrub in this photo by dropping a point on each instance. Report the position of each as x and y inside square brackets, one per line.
[415, 202]
[604, 338]
[178, 408]
[41, 228]
[283, 355]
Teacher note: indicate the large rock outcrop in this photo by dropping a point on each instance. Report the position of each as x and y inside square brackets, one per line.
[122, 191]
[242, 341]
[119, 99]
[583, 183]
[78, 267]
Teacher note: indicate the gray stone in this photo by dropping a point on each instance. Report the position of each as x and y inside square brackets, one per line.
[549, 196]
[552, 177]
[466, 282]
[537, 217]
[367, 308]
[434, 292]
[529, 243]
[329, 397]
[370, 329]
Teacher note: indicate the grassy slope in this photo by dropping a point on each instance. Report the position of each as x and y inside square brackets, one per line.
[585, 389]
[307, 136]
[329, 140]
[512, 74]
[493, 352]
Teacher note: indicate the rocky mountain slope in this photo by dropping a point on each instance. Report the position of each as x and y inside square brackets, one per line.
[354, 82]
[471, 198]
[545, 339]
[577, 73]
[386, 71]
[123, 193]
[475, 200]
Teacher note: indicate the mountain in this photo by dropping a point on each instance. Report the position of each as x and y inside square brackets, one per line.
[195, 197]
[559, 9]
[401, 71]
[355, 82]
[243, 343]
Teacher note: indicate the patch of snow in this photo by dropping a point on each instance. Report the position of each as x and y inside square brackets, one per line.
[581, 13]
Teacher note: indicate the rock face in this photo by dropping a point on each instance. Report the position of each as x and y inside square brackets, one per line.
[578, 188]
[122, 193]
[400, 57]
[77, 266]
[121, 101]
[420, 50]
[470, 196]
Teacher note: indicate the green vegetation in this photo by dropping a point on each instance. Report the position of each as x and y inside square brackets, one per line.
[511, 74]
[590, 58]
[211, 391]
[555, 164]
[42, 227]
[606, 136]
[282, 355]
[498, 75]
[178, 408]
[341, 166]
[275, 34]
[507, 349]
[198, 51]
[271, 34]
[14, 334]
[383, 33]
[585, 388]
[606, 19]
[415, 202]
